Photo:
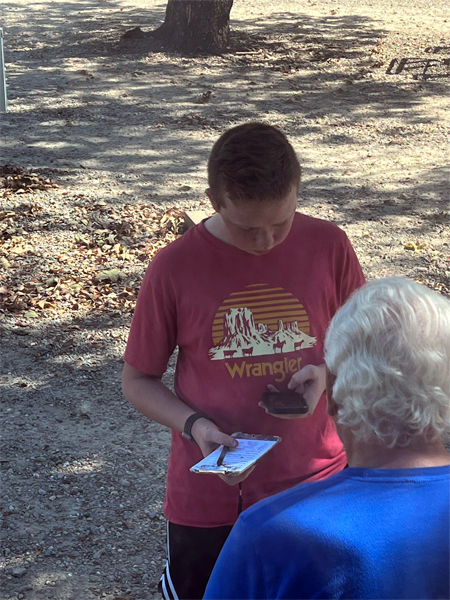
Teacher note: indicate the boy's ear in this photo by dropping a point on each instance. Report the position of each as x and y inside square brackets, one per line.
[332, 407]
[211, 199]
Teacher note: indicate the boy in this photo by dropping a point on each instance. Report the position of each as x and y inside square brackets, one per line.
[246, 296]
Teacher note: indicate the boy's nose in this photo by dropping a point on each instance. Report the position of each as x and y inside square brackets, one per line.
[264, 240]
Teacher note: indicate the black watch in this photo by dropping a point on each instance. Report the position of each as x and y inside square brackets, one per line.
[189, 422]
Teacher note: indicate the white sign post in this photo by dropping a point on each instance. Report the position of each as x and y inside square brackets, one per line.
[3, 100]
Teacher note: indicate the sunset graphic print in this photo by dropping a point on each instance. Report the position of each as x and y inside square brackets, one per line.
[260, 320]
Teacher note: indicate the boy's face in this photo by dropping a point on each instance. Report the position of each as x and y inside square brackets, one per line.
[257, 227]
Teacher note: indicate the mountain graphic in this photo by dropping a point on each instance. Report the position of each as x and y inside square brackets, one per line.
[242, 337]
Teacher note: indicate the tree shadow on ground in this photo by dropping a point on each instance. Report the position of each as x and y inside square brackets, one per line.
[316, 75]
[295, 65]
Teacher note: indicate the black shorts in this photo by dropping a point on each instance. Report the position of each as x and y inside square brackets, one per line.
[191, 555]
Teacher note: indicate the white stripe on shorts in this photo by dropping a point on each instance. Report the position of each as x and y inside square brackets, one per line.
[166, 580]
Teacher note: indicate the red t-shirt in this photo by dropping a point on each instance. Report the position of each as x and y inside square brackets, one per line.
[241, 322]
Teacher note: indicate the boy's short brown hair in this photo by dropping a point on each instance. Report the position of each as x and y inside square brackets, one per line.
[253, 161]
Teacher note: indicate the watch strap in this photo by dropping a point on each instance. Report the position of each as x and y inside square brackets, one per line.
[190, 422]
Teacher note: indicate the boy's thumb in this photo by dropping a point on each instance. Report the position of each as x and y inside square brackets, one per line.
[230, 441]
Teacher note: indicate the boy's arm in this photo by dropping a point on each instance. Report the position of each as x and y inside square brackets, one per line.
[153, 399]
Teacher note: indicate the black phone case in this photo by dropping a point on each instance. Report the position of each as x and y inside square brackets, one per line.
[285, 403]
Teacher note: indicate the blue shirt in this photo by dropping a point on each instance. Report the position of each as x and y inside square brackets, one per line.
[363, 533]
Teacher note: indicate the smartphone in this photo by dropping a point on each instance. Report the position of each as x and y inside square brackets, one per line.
[285, 403]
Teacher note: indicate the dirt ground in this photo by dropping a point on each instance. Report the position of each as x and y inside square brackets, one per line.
[103, 148]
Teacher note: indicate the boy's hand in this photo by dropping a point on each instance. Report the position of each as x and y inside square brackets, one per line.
[209, 437]
[310, 383]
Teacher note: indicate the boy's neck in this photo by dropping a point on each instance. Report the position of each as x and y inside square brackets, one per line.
[214, 225]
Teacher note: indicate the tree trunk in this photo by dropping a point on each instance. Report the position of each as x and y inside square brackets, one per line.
[196, 26]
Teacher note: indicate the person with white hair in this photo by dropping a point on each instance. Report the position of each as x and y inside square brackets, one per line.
[380, 528]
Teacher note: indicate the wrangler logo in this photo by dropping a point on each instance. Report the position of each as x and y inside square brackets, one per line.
[280, 368]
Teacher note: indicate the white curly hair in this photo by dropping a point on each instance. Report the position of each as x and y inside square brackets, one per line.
[389, 348]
